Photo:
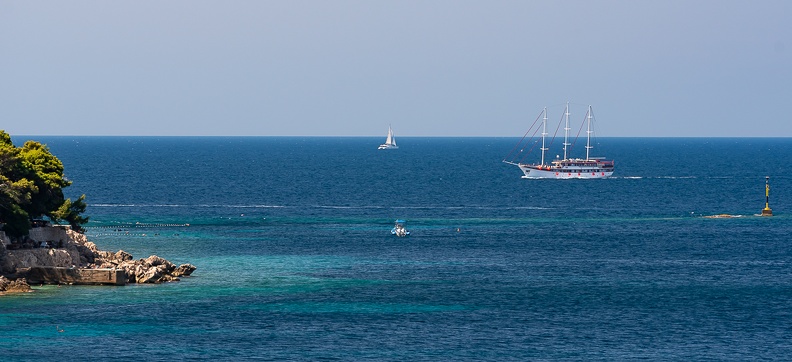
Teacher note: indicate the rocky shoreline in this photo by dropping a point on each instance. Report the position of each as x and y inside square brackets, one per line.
[61, 247]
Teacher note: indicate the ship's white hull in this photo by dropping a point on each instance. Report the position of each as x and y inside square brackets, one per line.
[531, 171]
[386, 146]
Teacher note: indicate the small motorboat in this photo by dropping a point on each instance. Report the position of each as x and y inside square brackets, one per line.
[399, 229]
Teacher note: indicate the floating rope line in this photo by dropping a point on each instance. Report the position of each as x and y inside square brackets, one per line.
[136, 225]
[128, 234]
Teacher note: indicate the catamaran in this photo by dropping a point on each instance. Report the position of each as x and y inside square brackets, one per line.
[390, 142]
[560, 168]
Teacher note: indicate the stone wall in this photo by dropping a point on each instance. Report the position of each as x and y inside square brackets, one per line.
[49, 233]
[27, 258]
[52, 275]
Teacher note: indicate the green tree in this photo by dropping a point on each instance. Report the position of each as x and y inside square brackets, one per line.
[46, 172]
[15, 190]
[71, 212]
[31, 187]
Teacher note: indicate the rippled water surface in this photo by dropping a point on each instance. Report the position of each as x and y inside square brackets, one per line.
[295, 259]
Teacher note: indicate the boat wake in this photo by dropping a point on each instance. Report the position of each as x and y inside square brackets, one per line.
[653, 177]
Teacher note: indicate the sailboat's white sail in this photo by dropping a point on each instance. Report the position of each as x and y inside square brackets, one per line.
[390, 141]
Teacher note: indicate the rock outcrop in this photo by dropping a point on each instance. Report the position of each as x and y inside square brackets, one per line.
[62, 247]
[150, 270]
[13, 286]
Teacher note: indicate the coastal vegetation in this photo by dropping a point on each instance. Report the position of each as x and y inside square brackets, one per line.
[31, 197]
[31, 189]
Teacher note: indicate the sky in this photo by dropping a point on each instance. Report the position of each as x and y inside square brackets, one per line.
[671, 68]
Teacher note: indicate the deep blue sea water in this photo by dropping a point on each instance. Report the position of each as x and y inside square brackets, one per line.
[295, 259]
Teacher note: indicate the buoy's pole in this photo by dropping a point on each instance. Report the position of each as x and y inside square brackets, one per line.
[767, 211]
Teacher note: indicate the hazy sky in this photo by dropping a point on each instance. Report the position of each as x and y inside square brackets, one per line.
[429, 68]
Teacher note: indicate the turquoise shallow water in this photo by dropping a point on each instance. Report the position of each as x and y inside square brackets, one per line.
[296, 262]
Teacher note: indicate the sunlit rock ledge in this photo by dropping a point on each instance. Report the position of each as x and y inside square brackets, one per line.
[61, 247]
[13, 286]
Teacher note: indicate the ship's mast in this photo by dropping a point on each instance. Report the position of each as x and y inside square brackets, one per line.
[588, 134]
[544, 133]
[566, 131]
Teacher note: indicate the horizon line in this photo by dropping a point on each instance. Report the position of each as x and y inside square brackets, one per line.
[358, 136]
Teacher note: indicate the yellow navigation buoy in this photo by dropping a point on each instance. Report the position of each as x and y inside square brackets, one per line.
[767, 211]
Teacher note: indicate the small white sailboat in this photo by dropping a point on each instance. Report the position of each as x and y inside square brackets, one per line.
[390, 142]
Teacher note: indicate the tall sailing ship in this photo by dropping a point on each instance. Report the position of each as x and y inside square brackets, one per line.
[560, 168]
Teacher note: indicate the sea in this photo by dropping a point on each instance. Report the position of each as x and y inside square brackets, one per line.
[296, 262]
